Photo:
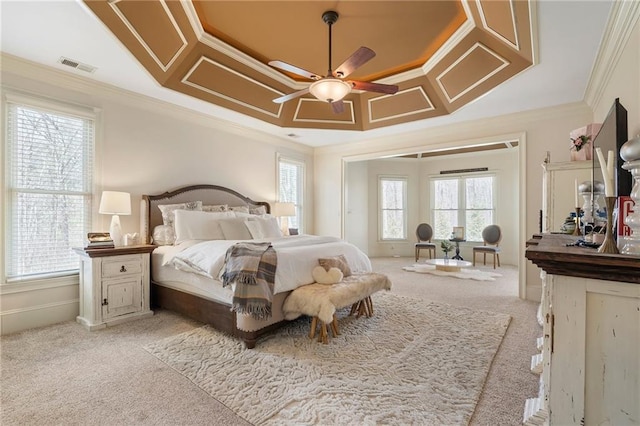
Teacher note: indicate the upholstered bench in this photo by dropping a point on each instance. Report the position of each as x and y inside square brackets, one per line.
[320, 301]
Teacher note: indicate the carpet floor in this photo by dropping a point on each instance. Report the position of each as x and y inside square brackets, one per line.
[413, 362]
[62, 374]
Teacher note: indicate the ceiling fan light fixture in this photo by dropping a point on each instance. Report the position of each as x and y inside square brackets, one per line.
[330, 89]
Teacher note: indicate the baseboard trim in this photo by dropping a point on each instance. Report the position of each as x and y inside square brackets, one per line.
[15, 320]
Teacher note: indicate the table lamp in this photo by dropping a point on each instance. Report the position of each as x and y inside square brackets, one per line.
[115, 203]
[284, 211]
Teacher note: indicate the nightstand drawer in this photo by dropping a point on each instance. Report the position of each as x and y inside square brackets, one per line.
[121, 265]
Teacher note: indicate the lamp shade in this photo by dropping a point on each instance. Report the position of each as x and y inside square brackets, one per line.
[330, 89]
[114, 202]
[284, 209]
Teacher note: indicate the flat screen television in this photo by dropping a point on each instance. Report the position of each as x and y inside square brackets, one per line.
[612, 135]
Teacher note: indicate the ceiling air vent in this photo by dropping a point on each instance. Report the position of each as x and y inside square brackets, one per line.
[77, 65]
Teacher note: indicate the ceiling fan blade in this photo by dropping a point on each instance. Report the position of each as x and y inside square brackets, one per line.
[293, 69]
[290, 96]
[337, 106]
[355, 61]
[375, 87]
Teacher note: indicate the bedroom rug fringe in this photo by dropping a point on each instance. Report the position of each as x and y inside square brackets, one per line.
[413, 362]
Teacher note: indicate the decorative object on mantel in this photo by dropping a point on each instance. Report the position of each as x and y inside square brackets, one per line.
[576, 230]
[581, 147]
[609, 244]
[591, 211]
[630, 152]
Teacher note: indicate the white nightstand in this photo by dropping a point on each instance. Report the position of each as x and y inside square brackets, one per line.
[114, 285]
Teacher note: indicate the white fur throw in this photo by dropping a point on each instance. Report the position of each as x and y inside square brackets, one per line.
[322, 300]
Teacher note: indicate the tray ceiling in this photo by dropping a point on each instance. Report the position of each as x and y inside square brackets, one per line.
[441, 54]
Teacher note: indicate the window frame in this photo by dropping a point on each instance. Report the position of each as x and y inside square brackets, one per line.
[13, 99]
[405, 201]
[301, 182]
[462, 211]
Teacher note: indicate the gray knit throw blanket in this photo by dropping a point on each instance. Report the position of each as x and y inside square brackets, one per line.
[252, 267]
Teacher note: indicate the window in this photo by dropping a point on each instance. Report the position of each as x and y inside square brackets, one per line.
[393, 208]
[462, 201]
[49, 186]
[291, 189]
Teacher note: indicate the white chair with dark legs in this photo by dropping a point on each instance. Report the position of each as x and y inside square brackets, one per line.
[491, 235]
[424, 233]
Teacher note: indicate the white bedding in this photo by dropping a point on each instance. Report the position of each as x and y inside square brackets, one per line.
[297, 256]
[186, 282]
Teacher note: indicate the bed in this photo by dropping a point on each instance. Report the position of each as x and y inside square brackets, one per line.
[198, 292]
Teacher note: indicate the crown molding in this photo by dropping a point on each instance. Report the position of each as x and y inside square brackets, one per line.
[81, 84]
[623, 17]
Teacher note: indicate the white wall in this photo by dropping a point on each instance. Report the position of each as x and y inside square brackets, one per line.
[143, 147]
[357, 205]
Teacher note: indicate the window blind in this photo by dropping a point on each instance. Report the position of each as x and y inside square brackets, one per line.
[50, 180]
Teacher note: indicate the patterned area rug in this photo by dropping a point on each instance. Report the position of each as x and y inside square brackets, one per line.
[413, 362]
[465, 274]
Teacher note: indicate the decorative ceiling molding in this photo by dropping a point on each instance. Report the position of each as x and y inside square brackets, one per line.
[428, 105]
[144, 40]
[315, 112]
[473, 46]
[207, 86]
[478, 78]
[514, 41]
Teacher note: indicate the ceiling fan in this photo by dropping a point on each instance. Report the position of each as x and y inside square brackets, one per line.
[333, 87]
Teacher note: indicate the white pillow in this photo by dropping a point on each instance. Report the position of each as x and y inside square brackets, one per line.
[235, 229]
[241, 214]
[216, 208]
[198, 225]
[163, 235]
[255, 229]
[168, 210]
[268, 226]
[240, 209]
[260, 210]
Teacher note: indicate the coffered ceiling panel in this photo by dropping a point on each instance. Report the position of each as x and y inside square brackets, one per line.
[404, 103]
[155, 28]
[473, 67]
[316, 112]
[441, 54]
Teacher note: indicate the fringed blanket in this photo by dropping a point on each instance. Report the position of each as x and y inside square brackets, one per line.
[252, 267]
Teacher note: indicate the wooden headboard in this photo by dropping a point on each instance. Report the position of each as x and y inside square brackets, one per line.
[151, 216]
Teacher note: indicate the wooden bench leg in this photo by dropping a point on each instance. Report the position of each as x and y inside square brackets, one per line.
[334, 326]
[323, 335]
[370, 305]
[312, 330]
[362, 307]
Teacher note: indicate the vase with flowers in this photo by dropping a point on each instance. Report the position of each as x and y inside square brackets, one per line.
[581, 148]
[446, 247]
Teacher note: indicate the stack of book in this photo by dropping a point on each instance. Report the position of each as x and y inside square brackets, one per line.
[99, 240]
